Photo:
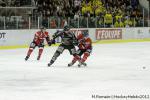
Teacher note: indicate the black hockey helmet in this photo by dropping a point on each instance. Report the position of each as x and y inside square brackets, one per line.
[66, 28]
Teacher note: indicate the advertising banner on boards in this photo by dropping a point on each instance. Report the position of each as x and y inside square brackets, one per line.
[108, 34]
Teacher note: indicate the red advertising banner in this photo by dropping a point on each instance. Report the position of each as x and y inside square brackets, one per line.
[108, 34]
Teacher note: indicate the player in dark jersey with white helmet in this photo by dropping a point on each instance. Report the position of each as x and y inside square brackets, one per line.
[68, 42]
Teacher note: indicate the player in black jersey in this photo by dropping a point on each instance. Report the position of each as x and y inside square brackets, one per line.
[68, 41]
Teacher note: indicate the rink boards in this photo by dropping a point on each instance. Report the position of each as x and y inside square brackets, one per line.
[22, 38]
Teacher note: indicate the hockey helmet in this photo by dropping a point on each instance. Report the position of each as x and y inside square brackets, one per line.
[85, 33]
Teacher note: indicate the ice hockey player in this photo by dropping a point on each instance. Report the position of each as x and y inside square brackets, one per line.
[38, 41]
[84, 51]
[68, 41]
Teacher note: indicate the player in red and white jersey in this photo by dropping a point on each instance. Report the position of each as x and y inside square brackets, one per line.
[38, 41]
[85, 49]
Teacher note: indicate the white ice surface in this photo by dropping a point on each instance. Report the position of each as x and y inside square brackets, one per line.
[113, 69]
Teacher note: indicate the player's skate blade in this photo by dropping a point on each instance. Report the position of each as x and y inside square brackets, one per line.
[84, 64]
[70, 64]
[49, 64]
[80, 64]
[27, 57]
[38, 58]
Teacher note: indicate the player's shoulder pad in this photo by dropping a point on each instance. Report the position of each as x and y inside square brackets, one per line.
[37, 33]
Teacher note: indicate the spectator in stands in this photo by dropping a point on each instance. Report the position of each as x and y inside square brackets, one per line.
[64, 22]
[98, 7]
[134, 3]
[53, 23]
[45, 22]
[119, 23]
[77, 5]
[2, 3]
[108, 19]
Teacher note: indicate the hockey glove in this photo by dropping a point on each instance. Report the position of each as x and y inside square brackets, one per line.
[53, 41]
[49, 43]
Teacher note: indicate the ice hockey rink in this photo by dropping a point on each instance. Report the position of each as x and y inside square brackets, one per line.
[113, 69]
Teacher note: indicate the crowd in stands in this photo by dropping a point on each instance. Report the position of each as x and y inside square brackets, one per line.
[14, 17]
[15, 3]
[58, 7]
[113, 13]
[108, 13]
[90, 13]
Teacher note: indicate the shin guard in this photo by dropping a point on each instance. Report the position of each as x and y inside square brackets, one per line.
[40, 53]
[85, 56]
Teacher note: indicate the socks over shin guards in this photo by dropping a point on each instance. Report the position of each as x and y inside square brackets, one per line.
[76, 58]
[40, 52]
[29, 52]
[85, 56]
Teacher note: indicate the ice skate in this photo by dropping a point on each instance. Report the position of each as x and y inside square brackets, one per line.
[38, 58]
[70, 64]
[82, 63]
[27, 57]
[50, 63]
